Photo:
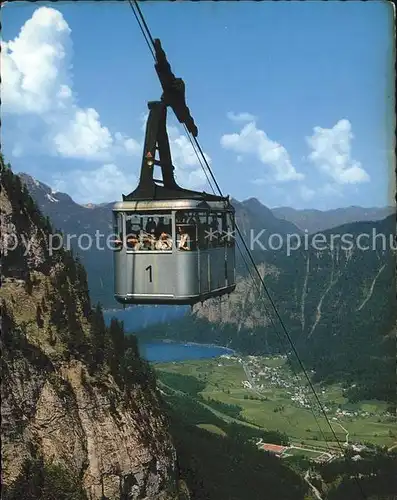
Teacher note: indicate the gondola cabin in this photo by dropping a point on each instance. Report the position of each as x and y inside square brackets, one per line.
[173, 245]
[173, 252]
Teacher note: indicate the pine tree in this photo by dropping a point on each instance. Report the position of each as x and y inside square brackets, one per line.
[7, 326]
[76, 343]
[81, 277]
[48, 225]
[98, 336]
[28, 284]
[17, 187]
[70, 264]
[58, 314]
[116, 332]
[39, 317]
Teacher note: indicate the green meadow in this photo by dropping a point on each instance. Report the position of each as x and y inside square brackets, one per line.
[219, 384]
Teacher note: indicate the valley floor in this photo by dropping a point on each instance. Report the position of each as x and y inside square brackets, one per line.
[263, 393]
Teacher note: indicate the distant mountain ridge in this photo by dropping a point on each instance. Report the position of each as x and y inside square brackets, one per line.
[72, 218]
[310, 219]
[320, 220]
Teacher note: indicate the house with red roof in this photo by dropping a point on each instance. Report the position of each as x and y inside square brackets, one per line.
[274, 448]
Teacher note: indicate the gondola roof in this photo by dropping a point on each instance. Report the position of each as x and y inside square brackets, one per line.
[155, 192]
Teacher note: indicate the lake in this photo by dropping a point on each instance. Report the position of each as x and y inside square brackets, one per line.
[138, 317]
[166, 352]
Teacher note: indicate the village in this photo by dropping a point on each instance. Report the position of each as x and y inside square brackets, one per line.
[261, 376]
[263, 373]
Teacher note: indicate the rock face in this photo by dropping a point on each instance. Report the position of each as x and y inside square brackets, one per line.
[242, 308]
[311, 286]
[68, 396]
[115, 446]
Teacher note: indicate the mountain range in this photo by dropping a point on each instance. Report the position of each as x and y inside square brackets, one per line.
[315, 221]
[75, 219]
[336, 301]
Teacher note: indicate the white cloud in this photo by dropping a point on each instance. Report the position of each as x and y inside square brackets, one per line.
[17, 150]
[253, 141]
[84, 136]
[332, 154]
[259, 182]
[37, 81]
[100, 185]
[188, 170]
[128, 145]
[34, 65]
[107, 182]
[143, 119]
[241, 117]
[37, 89]
[327, 190]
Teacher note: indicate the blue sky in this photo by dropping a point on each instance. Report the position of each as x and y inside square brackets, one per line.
[293, 100]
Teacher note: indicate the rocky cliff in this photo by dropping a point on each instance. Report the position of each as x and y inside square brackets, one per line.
[310, 281]
[80, 409]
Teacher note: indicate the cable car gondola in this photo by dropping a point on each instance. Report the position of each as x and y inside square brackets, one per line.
[174, 246]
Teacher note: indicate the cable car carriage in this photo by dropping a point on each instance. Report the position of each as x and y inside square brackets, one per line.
[174, 245]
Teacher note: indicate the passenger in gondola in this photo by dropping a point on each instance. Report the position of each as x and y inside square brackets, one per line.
[184, 239]
[148, 241]
[164, 242]
[133, 242]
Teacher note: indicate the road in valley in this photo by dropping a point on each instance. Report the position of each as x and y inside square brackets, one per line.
[313, 488]
[347, 432]
[217, 413]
